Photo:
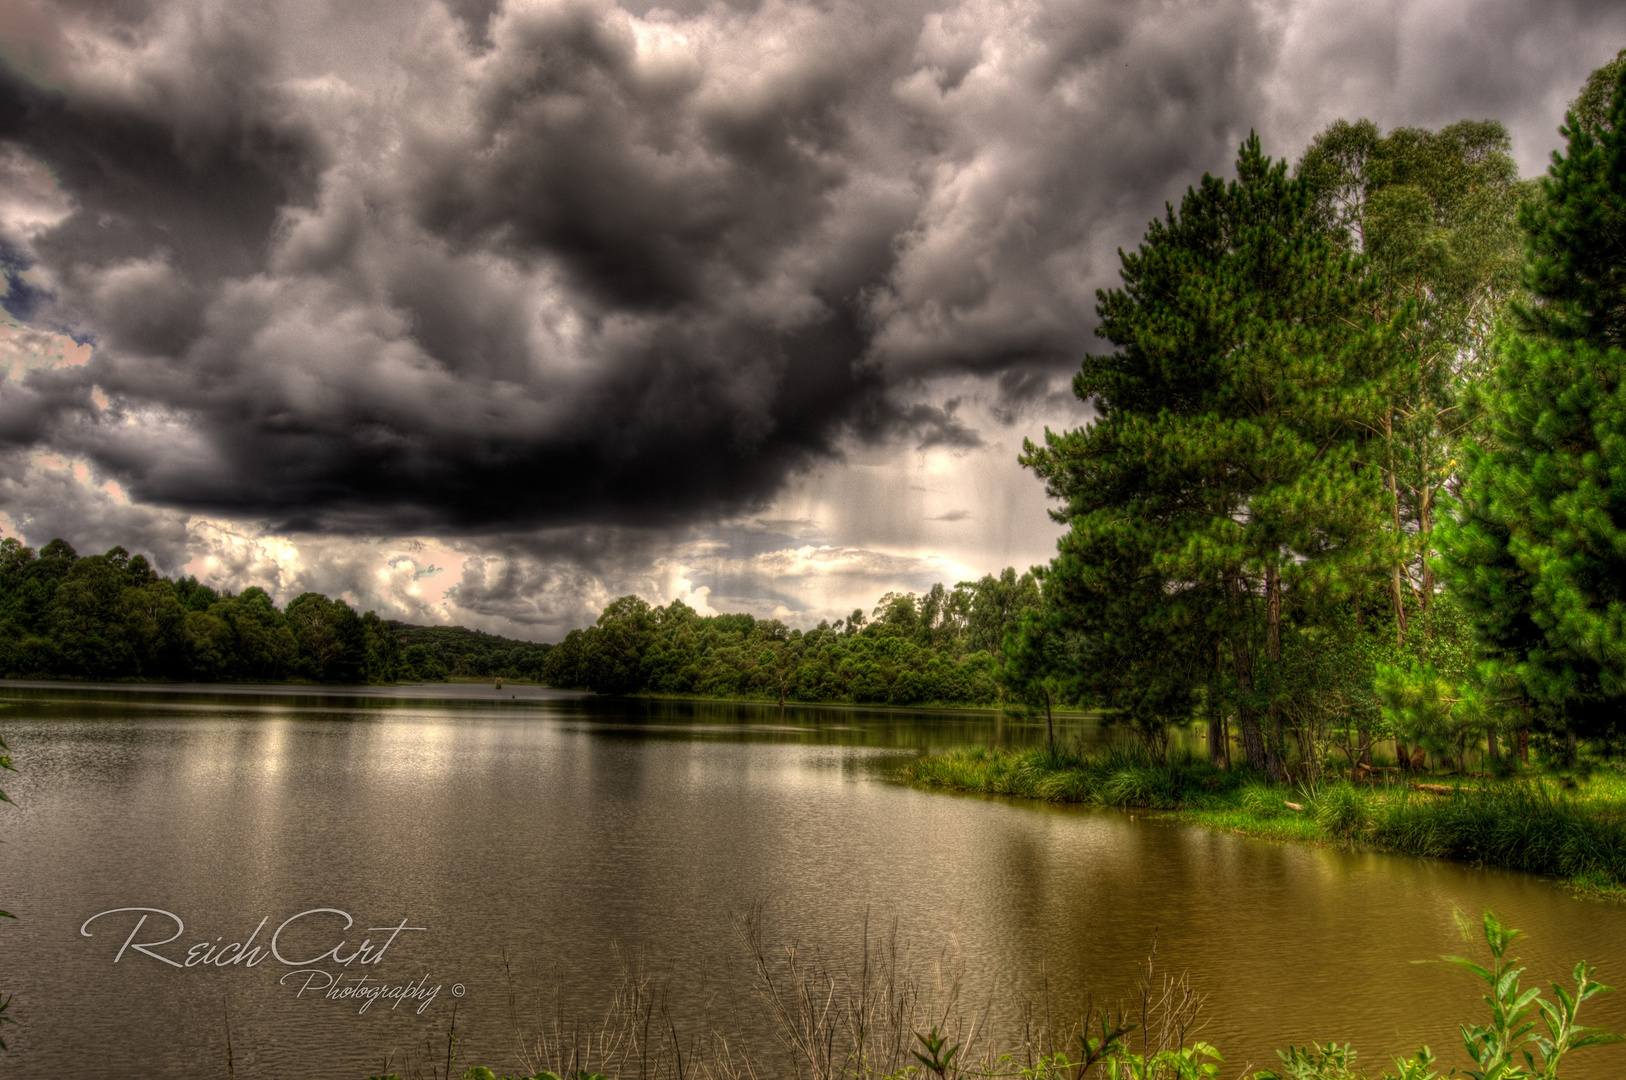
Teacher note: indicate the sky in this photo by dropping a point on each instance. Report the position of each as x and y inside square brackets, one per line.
[490, 311]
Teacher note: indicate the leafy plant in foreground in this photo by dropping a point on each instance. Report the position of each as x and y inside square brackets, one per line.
[1509, 1047]
[939, 1056]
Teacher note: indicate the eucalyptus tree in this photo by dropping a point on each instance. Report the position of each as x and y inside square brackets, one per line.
[1224, 494]
[1435, 215]
[1590, 109]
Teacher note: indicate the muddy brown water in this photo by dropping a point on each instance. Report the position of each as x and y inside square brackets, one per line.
[567, 836]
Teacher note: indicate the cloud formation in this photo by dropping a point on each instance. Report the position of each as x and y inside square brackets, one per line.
[502, 271]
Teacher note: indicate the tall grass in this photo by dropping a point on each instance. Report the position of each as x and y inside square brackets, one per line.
[1519, 826]
[1528, 825]
[1119, 776]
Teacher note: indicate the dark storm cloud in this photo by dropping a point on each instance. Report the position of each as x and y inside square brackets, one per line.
[480, 265]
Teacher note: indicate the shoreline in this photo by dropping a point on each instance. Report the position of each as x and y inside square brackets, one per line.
[1528, 824]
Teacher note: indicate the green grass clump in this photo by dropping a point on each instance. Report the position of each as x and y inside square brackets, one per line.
[1342, 811]
[1121, 776]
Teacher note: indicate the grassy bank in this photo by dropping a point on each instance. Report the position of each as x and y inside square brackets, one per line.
[1569, 829]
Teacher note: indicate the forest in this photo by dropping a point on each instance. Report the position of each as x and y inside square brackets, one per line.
[112, 617]
[941, 648]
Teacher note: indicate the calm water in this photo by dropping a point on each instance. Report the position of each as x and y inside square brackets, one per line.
[562, 832]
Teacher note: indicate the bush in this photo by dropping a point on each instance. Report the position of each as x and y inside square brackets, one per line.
[1262, 801]
[1342, 811]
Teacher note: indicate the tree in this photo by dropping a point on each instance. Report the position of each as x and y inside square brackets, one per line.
[1435, 214]
[616, 646]
[1034, 673]
[1591, 108]
[1224, 487]
[996, 606]
[1537, 547]
[331, 638]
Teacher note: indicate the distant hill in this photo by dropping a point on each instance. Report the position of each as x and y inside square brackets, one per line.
[439, 652]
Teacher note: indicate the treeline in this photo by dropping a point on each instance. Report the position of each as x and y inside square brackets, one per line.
[939, 648]
[439, 652]
[1358, 474]
[112, 617]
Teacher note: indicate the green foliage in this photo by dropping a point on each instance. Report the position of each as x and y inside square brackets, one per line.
[1262, 800]
[1224, 489]
[1199, 1061]
[1515, 825]
[1591, 109]
[1510, 1047]
[437, 652]
[1123, 776]
[938, 1056]
[1341, 811]
[913, 650]
[1329, 1062]
[1435, 215]
[1534, 549]
[112, 617]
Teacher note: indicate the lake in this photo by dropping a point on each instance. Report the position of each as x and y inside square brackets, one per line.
[520, 846]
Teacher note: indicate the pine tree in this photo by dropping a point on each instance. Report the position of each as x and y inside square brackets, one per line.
[1223, 490]
[1537, 550]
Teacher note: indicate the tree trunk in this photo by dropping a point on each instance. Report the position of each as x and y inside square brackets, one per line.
[1253, 740]
[1275, 768]
[1569, 746]
[1425, 527]
[1400, 533]
[1050, 724]
[1492, 754]
[1363, 742]
[1522, 737]
[1216, 735]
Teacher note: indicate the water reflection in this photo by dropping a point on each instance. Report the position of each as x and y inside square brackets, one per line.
[551, 829]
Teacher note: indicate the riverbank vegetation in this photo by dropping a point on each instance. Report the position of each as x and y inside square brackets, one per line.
[1571, 828]
[877, 1020]
[112, 617]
